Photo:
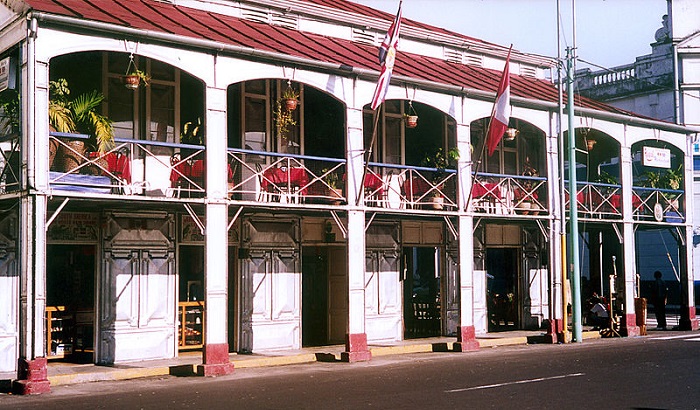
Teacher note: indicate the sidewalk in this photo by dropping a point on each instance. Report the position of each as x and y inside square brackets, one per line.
[62, 373]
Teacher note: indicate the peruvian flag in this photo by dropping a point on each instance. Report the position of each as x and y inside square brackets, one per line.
[387, 56]
[501, 110]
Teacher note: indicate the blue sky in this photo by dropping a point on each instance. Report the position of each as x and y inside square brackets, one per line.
[609, 33]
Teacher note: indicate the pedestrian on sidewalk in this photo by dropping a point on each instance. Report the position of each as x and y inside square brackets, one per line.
[659, 297]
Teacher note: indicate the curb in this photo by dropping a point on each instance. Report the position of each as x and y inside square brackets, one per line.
[126, 374]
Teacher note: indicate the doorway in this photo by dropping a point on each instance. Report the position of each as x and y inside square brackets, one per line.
[324, 301]
[70, 302]
[502, 273]
[421, 292]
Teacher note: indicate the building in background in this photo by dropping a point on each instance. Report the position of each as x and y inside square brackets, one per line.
[664, 85]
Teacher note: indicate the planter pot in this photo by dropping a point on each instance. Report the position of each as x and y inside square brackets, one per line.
[412, 121]
[336, 195]
[132, 81]
[524, 208]
[291, 104]
[53, 150]
[70, 159]
[438, 203]
[534, 209]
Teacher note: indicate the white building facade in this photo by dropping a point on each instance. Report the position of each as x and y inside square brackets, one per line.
[224, 220]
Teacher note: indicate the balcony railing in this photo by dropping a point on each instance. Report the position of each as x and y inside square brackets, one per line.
[151, 168]
[285, 178]
[498, 194]
[408, 187]
[653, 204]
[597, 200]
[9, 162]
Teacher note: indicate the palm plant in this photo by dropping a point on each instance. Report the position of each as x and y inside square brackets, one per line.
[80, 115]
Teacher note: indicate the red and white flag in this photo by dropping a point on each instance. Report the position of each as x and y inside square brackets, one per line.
[501, 110]
[387, 56]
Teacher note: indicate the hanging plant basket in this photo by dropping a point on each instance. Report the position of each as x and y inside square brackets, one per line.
[411, 121]
[291, 104]
[132, 81]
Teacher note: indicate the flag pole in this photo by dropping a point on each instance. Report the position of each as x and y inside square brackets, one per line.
[488, 129]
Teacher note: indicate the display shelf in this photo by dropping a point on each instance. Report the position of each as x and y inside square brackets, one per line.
[58, 332]
[191, 325]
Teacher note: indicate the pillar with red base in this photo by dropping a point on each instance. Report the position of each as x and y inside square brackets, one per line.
[356, 348]
[32, 366]
[216, 361]
[466, 340]
[628, 325]
[688, 319]
[466, 336]
[32, 377]
[215, 355]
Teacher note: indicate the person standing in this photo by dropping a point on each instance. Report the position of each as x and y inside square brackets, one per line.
[659, 294]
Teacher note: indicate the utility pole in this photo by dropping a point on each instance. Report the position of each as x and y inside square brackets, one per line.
[577, 334]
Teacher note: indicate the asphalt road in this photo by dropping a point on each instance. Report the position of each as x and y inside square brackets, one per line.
[660, 371]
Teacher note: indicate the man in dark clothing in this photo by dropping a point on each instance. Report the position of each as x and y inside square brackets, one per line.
[658, 299]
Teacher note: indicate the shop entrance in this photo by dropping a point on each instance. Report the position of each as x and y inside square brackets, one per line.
[502, 288]
[421, 292]
[70, 302]
[190, 308]
[324, 296]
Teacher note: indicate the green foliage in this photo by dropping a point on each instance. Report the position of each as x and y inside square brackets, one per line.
[9, 110]
[144, 77]
[192, 133]
[80, 115]
[331, 178]
[283, 120]
[605, 178]
[290, 94]
[672, 179]
[440, 160]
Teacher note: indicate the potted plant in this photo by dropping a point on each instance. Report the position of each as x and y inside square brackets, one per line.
[440, 161]
[291, 98]
[528, 198]
[283, 120]
[672, 180]
[135, 77]
[79, 115]
[335, 191]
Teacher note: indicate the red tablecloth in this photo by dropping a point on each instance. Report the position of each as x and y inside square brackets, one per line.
[294, 177]
[415, 188]
[486, 189]
[193, 169]
[118, 165]
[374, 184]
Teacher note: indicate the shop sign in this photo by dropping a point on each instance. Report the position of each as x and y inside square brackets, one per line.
[190, 232]
[74, 226]
[656, 157]
[4, 73]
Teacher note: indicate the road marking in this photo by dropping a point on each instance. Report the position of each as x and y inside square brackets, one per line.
[672, 337]
[695, 339]
[539, 379]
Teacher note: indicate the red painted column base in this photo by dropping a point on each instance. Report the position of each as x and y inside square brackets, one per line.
[216, 361]
[32, 377]
[629, 326]
[466, 340]
[555, 332]
[356, 349]
[688, 319]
